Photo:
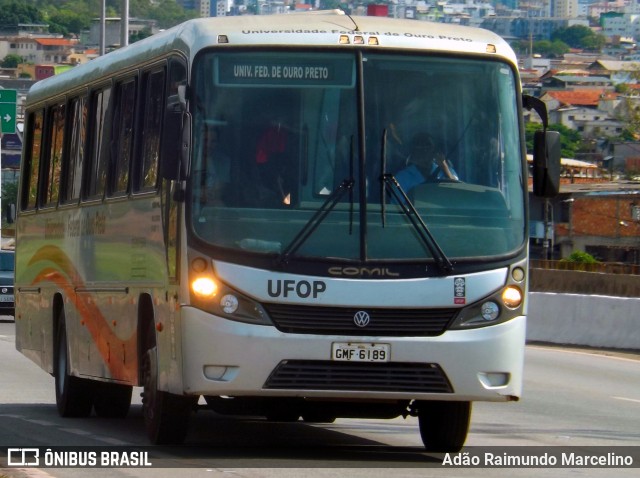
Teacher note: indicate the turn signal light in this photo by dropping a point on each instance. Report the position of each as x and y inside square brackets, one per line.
[512, 297]
[204, 287]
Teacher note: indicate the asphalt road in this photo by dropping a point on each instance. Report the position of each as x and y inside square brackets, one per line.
[572, 398]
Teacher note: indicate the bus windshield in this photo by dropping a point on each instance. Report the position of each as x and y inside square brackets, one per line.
[325, 151]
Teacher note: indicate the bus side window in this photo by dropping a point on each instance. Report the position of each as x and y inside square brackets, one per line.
[31, 167]
[123, 123]
[146, 168]
[100, 134]
[53, 158]
[72, 164]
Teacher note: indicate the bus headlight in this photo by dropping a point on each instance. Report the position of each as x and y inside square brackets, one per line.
[503, 305]
[213, 296]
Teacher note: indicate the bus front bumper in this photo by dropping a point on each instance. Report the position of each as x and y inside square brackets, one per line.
[227, 358]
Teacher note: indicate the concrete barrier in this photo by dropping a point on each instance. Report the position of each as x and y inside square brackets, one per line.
[588, 320]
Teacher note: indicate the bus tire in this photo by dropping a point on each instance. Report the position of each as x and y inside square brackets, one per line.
[112, 400]
[444, 425]
[317, 417]
[166, 415]
[74, 395]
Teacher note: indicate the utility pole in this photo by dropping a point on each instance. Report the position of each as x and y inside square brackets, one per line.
[103, 14]
[124, 24]
[547, 245]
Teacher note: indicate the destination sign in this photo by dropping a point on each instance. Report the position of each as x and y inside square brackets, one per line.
[245, 70]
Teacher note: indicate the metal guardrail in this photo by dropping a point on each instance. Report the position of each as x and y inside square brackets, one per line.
[606, 267]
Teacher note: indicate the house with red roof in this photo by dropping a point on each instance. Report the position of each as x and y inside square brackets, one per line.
[592, 112]
[42, 50]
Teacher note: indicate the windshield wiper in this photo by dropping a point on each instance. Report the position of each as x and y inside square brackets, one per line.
[392, 185]
[315, 220]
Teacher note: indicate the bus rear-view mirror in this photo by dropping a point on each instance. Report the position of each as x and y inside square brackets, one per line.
[546, 163]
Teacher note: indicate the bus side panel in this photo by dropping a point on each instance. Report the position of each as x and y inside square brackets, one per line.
[100, 260]
[34, 291]
[122, 254]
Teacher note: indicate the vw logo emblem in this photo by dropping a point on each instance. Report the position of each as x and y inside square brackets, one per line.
[5, 290]
[361, 319]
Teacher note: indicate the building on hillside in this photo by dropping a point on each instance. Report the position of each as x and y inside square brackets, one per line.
[537, 28]
[580, 110]
[565, 8]
[605, 222]
[625, 157]
[212, 8]
[39, 49]
[576, 82]
[25, 30]
[617, 71]
[600, 218]
[112, 30]
[47, 71]
[597, 10]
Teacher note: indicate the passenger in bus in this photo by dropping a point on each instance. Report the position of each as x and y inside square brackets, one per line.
[426, 163]
[271, 161]
[217, 170]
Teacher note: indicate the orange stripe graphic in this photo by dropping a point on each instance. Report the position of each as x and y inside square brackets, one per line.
[67, 278]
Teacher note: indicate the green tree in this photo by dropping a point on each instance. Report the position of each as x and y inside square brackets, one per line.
[68, 21]
[570, 140]
[11, 61]
[18, 11]
[546, 48]
[142, 34]
[168, 13]
[331, 4]
[579, 36]
[551, 49]
[9, 196]
[581, 257]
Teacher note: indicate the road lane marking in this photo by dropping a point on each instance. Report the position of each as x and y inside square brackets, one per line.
[75, 431]
[43, 423]
[635, 400]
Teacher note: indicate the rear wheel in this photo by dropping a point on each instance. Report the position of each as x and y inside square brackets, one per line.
[112, 400]
[444, 425]
[74, 395]
[166, 415]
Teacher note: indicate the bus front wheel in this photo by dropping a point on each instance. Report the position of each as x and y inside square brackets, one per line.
[166, 415]
[74, 395]
[444, 425]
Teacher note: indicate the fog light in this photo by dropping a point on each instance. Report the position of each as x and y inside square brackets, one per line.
[204, 287]
[229, 303]
[512, 297]
[490, 311]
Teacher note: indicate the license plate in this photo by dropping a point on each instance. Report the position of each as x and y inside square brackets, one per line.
[6, 298]
[360, 352]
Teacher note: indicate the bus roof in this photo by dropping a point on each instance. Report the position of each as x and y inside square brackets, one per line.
[330, 28]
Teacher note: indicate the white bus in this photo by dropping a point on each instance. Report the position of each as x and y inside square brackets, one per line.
[245, 210]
